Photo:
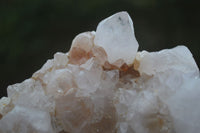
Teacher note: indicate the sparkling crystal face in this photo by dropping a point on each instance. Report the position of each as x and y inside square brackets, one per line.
[104, 85]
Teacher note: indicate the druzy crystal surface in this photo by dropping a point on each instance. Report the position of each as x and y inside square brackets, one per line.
[104, 85]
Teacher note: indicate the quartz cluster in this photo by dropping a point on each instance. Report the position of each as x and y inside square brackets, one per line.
[104, 85]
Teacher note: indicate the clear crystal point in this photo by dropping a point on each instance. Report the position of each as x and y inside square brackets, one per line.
[116, 35]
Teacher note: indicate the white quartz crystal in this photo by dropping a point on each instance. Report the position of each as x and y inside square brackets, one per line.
[179, 58]
[26, 120]
[103, 85]
[185, 107]
[116, 35]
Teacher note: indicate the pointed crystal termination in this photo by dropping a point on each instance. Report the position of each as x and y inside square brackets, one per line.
[116, 35]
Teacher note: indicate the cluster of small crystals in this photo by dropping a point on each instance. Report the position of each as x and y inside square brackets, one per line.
[103, 85]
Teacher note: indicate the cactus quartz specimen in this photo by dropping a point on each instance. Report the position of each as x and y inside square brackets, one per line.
[103, 85]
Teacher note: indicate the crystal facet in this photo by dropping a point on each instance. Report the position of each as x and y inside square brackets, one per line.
[116, 35]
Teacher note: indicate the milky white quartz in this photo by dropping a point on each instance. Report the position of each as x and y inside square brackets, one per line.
[179, 58]
[26, 120]
[116, 35]
[104, 85]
